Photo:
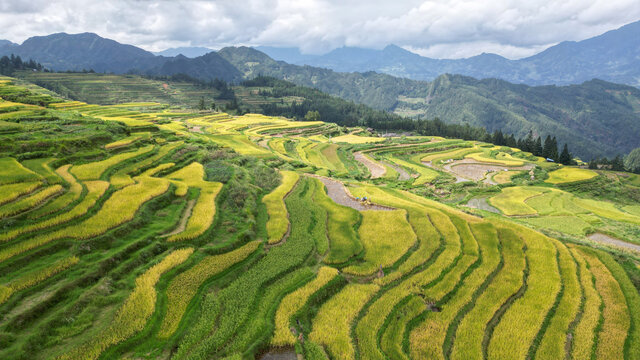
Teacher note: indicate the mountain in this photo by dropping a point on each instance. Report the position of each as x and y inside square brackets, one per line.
[612, 56]
[190, 52]
[6, 43]
[289, 55]
[596, 118]
[62, 52]
[206, 67]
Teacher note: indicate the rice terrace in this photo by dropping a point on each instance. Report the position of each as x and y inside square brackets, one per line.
[147, 216]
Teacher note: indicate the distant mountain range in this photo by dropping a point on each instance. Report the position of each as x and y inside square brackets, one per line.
[87, 51]
[595, 117]
[613, 56]
[190, 52]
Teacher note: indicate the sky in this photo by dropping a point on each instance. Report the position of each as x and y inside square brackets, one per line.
[434, 28]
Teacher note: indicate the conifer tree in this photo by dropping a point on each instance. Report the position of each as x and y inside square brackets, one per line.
[565, 156]
[537, 149]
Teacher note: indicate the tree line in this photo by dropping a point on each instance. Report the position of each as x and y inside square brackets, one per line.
[10, 64]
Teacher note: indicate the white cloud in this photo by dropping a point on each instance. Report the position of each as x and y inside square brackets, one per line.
[437, 28]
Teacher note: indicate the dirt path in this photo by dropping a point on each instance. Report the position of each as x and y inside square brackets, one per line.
[608, 240]
[183, 221]
[340, 195]
[482, 204]
[264, 143]
[402, 174]
[376, 170]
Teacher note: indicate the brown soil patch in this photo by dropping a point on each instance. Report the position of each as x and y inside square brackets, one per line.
[375, 168]
[608, 240]
[340, 195]
[472, 170]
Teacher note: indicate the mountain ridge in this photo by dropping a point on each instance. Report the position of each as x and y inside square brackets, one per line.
[569, 62]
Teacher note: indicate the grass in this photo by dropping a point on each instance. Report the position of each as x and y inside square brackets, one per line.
[126, 141]
[473, 272]
[278, 222]
[293, 302]
[30, 201]
[378, 312]
[584, 333]
[425, 174]
[607, 210]
[469, 336]
[233, 305]
[570, 174]
[35, 277]
[122, 177]
[73, 194]
[204, 211]
[632, 298]
[543, 284]
[118, 209]
[355, 139]
[11, 172]
[94, 170]
[566, 224]
[42, 167]
[616, 320]
[134, 313]
[511, 201]
[552, 344]
[341, 222]
[11, 192]
[386, 236]
[332, 324]
[504, 159]
[184, 287]
[504, 177]
[95, 190]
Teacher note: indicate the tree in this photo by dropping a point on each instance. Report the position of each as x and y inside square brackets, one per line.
[593, 164]
[546, 150]
[632, 161]
[537, 148]
[312, 115]
[529, 143]
[498, 138]
[201, 105]
[617, 164]
[554, 149]
[565, 156]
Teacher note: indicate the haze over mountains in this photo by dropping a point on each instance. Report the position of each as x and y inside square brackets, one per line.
[595, 117]
[613, 56]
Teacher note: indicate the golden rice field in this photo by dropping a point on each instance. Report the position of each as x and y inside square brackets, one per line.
[194, 234]
[570, 174]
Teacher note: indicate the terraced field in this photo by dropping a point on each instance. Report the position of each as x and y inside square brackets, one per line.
[168, 233]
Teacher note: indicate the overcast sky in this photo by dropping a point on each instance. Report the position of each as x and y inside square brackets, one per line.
[435, 28]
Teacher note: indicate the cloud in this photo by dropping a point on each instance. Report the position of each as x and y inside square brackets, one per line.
[437, 28]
